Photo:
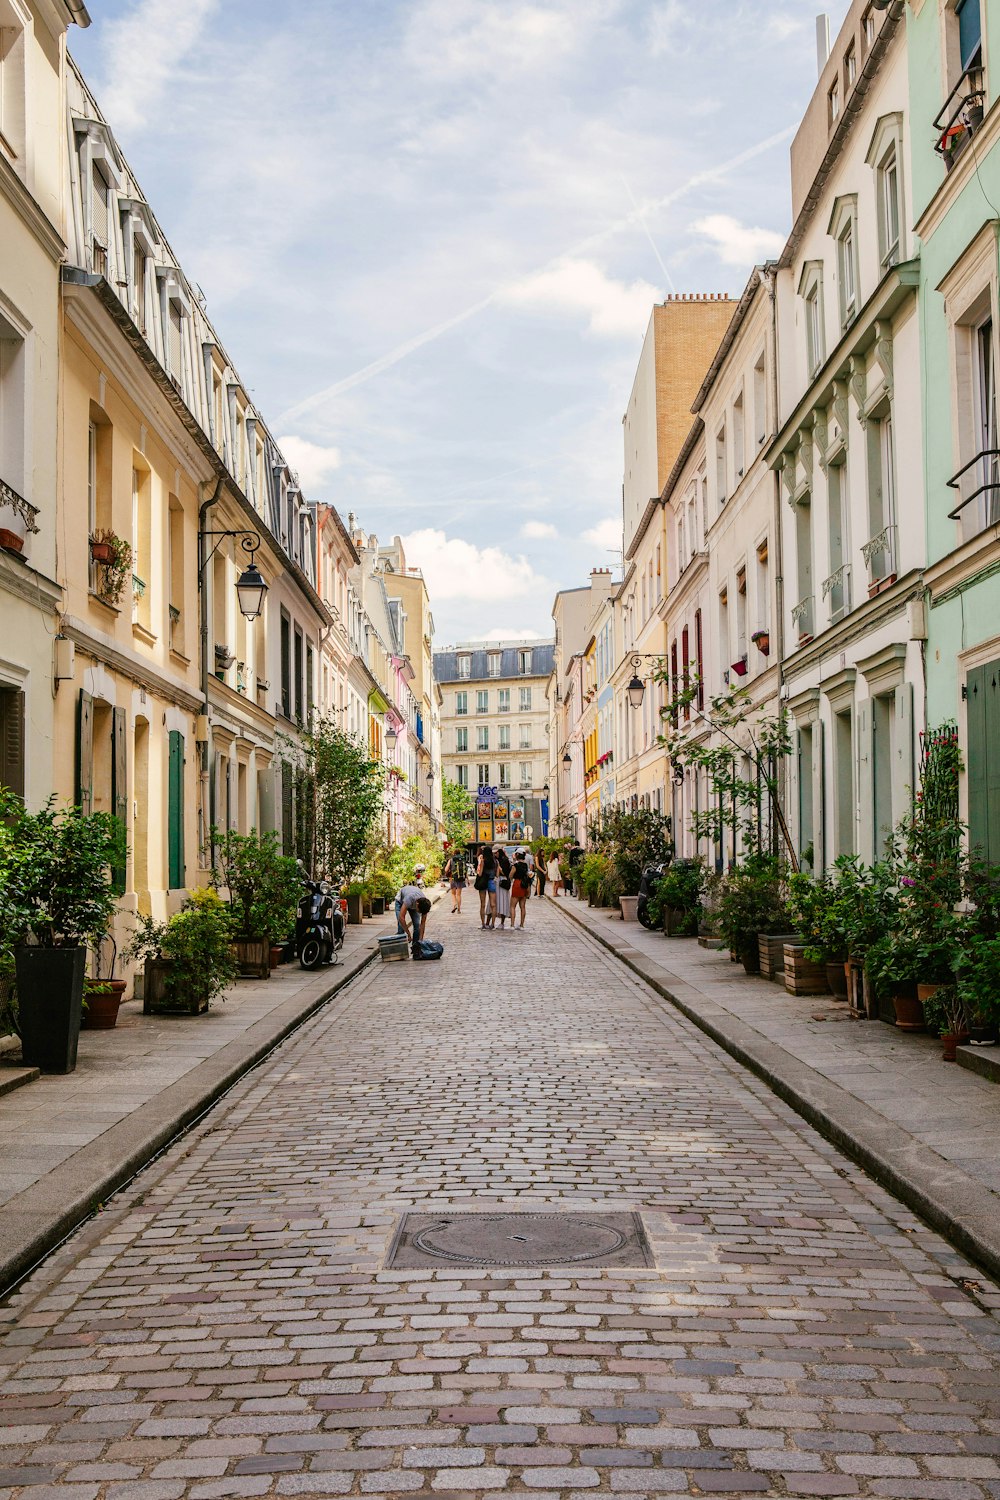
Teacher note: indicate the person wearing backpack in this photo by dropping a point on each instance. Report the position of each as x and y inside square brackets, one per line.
[456, 872]
[520, 886]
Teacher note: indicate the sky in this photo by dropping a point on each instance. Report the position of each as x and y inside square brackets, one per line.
[430, 234]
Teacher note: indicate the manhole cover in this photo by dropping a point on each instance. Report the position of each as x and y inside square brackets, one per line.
[520, 1240]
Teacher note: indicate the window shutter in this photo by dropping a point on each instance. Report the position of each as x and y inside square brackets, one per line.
[175, 811]
[970, 29]
[12, 741]
[119, 789]
[866, 782]
[903, 783]
[287, 810]
[85, 754]
[819, 799]
[99, 208]
[175, 340]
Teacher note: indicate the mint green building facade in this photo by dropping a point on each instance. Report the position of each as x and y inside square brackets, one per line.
[953, 51]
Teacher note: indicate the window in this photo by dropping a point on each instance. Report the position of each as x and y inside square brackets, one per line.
[739, 459]
[504, 736]
[12, 740]
[811, 292]
[760, 401]
[99, 219]
[850, 67]
[889, 204]
[298, 673]
[884, 157]
[763, 588]
[483, 773]
[699, 660]
[986, 413]
[464, 666]
[92, 477]
[847, 263]
[462, 776]
[835, 587]
[721, 471]
[524, 700]
[524, 661]
[724, 641]
[139, 284]
[970, 33]
[659, 573]
[741, 614]
[286, 665]
[868, 27]
[802, 611]
[12, 72]
[310, 674]
[483, 737]
[504, 774]
[834, 103]
[524, 737]
[461, 703]
[493, 664]
[461, 741]
[879, 549]
[525, 769]
[482, 701]
[503, 700]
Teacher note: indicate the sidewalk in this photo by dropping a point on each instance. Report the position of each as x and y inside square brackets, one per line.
[70, 1141]
[925, 1129]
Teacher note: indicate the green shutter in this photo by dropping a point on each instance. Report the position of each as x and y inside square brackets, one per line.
[993, 762]
[287, 810]
[119, 791]
[904, 782]
[983, 760]
[866, 782]
[175, 811]
[85, 754]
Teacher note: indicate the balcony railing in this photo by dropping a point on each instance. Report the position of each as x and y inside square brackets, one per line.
[837, 588]
[961, 116]
[802, 618]
[978, 486]
[21, 507]
[880, 558]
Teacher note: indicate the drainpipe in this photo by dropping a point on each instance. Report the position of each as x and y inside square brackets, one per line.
[770, 276]
[203, 510]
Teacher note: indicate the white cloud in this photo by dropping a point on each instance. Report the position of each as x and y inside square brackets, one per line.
[143, 50]
[738, 244]
[539, 531]
[504, 633]
[613, 309]
[606, 535]
[313, 462]
[459, 570]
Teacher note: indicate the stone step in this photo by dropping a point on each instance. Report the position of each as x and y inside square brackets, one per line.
[982, 1060]
[15, 1075]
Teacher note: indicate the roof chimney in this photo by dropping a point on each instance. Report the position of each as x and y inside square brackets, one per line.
[822, 42]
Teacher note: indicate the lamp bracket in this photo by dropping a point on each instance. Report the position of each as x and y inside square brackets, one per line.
[249, 540]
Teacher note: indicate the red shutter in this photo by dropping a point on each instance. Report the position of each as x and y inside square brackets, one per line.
[699, 660]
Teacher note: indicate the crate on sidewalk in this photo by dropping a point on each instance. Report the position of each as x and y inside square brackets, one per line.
[802, 977]
[393, 948]
[772, 953]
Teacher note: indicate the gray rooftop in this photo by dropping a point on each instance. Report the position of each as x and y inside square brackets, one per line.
[542, 662]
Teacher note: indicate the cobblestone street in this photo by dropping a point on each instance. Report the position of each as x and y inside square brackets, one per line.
[225, 1328]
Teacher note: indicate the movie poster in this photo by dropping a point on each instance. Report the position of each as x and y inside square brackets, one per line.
[484, 831]
[500, 832]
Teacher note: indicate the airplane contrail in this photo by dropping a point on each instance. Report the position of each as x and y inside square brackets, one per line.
[394, 356]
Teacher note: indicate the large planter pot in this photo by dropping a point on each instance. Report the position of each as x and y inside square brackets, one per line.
[367, 905]
[909, 1011]
[276, 955]
[155, 999]
[802, 976]
[354, 910]
[628, 905]
[836, 978]
[378, 906]
[10, 541]
[678, 923]
[50, 1005]
[771, 953]
[858, 996]
[253, 957]
[101, 1013]
[749, 956]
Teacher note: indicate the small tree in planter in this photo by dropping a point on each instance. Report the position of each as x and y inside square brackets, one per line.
[753, 901]
[816, 914]
[56, 896]
[632, 841]
[341, 793]
[676, 901]
[264, 887]
[188, 959]
[979, 985]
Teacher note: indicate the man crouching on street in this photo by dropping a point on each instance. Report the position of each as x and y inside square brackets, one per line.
[412, 906]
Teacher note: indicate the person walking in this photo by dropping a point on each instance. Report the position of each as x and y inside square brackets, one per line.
[520, 886]
[573, 859]
[553, 872]
[540, 872]
[530, 861]
[456, 872]
[486, 885]
[503, 884]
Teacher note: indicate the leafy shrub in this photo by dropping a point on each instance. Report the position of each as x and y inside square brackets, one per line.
[753, 900]
[264, 885]
[198, 940]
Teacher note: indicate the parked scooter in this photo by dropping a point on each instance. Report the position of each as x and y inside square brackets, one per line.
[319, 926]
[651, 877]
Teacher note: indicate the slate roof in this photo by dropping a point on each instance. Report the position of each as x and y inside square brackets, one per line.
[542, 661]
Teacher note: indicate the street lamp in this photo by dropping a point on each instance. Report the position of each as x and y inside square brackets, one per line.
[567, 760]
[391, 737]
[636, 689]
[250, 591]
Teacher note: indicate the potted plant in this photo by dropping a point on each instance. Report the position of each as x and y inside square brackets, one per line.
[978, 976]
[815, 908]
[894, 963]
[867, 908]
[188, 960]
[762, 640]
[355, 896]
[677, 898]
[384, 891]
[263, 886]
[56, 895]
[224, 659]
[114, 556]
[946, 1016]
[739, 666]
[752, 901]
[11, 541]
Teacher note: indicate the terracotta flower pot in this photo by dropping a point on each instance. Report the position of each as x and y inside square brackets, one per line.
[10, 541]
[909, 1012]
[102, 552]
[101, 1013]
[949, 1048]
[275, 955]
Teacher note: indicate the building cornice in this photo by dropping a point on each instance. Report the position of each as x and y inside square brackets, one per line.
[640, 530]
[20, 579]
[31, 213]
[863, 621]
[973, 562]
[119, 659]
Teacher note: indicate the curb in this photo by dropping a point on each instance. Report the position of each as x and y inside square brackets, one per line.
[947, 1198]
[33, 1223]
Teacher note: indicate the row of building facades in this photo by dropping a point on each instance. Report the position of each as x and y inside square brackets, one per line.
[811, 499]
[151, 695]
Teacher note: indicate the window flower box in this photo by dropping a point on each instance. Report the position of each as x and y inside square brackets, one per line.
[762, 640]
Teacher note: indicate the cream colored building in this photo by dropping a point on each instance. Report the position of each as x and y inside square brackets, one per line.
[406, 586]
[32, 247]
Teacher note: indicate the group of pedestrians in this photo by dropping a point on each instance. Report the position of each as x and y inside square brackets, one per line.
[504, 883]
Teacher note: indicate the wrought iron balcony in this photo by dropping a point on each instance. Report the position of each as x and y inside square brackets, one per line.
[978, 486]
[837, 588]
[21, 507]
[802, 618]
[880, 558]
[960, 116]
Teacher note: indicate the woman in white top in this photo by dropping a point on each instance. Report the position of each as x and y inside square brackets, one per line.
[553, 873]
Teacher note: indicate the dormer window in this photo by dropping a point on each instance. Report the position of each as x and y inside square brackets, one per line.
[834, 103]
[811, 292]
[100, 192]
[851, 66]
[524, 661]
[493, 664]
[464, 666]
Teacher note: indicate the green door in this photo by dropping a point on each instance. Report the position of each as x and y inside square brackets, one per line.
[175, 811]
[983, 760]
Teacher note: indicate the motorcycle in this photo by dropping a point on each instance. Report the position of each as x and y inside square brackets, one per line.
[320, 925]
[651, 877]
